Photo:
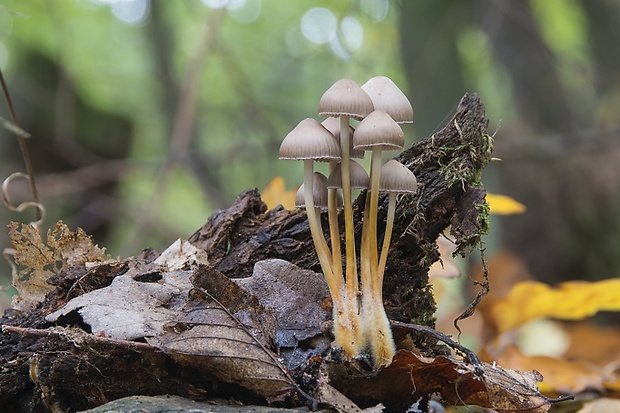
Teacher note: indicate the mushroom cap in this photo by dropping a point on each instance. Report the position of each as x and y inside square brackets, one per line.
[319, 192]
[396, 177]
[345, 97]
[310, 140]
[333, 125]
[386, 96]
[359, 176]
[378, 129]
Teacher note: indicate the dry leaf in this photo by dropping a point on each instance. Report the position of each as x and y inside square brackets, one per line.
[561, 376]
[458, 383]
[128, 309]
[504, 205]
[294, 294]
[223, 330]
[181, 254]
[38, 262]
[73, 248]
[602, 405]
[572, 300]
[275, 194]
[64, 249]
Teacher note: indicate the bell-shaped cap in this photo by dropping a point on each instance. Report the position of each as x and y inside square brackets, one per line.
[378, 130]
[345, 98]
[333, 125]
[319, 192]
[396, 177]
[359, 176]
[310, 140]
[386, 96]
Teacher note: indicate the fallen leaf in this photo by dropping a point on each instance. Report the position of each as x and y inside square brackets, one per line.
[411, 376]
[74, 248]
[40, 261]
[275, 194]
[504, 205]
[602, 405]
[573, 300]
[562, 376]
[224, 331]
[127, 309]
[294, 294]
[181, 254]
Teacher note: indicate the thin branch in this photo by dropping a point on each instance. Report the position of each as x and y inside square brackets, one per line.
[62, 333]
[23, 147]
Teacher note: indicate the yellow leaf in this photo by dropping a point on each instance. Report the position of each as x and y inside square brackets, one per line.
[504, 205]
[574, 300]
[275, 194]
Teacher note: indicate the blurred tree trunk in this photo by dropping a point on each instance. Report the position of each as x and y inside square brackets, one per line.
[562, 159]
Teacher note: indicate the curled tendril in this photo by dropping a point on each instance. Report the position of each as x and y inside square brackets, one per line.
[24, 205]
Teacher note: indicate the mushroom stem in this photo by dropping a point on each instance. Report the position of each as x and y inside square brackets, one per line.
[351, 266]
[345, 328]
[334, 233]
[378, 326]
[317, 234]
[378, 288]
[352, 284]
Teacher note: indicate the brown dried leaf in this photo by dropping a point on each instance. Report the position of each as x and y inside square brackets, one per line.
[458, 382]
[223, 330]
[39, 261]
[294, 294]
[38, 265]
[126, 309]
[74, 248]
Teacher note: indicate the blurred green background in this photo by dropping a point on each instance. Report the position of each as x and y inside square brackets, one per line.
[147, 115]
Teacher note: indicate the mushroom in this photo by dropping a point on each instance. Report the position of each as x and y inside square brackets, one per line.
[395, 178]
[377, 132]
[345, 99]
[310, 141]
[386, 96]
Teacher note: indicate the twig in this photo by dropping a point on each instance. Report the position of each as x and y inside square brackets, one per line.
[49, 332]
[23, 147]
[472, 357]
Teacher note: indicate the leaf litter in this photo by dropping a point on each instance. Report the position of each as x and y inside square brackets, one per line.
[233, 329]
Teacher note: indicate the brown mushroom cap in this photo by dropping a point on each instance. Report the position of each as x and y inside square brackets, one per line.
[378, 130]
[396, 177]
[386, 96]
[319, 192]
[333, 125]
[359, 176]
[310, 140]
[345, 98]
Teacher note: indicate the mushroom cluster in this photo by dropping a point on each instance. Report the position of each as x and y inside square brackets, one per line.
[360, 322]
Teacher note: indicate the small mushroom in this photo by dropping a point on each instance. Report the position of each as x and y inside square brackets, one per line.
[377, 132]
[310, 141]
[344, 100]
[395, 179]
[386, 96]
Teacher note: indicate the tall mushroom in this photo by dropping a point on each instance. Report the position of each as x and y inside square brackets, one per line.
[395, 179]
[377, 132]
[309, 141]
[344, 100]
